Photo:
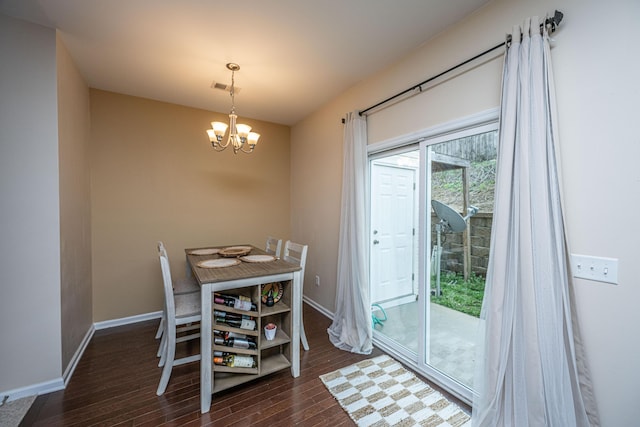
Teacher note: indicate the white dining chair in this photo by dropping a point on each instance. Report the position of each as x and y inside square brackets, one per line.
[181, 310]
[296, 253]
[273, 246]
[185, 285]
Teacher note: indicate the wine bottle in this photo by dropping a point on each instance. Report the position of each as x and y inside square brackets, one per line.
[247, 343]
[238, 323]
[219, 313]
[239, 303]
[270, 300]
[235, 361]
[240, 297]
[220, 353]
[226, 334]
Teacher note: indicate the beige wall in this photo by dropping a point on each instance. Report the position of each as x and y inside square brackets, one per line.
[30, 341]
[316, 171]
[153, 179]
[595, 72]
[154, 176]
[75, 209]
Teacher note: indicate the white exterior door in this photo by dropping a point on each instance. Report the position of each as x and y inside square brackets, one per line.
[392, 240]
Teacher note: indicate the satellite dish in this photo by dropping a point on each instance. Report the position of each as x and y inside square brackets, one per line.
[450, 219]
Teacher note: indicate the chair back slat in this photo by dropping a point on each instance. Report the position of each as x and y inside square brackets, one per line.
[273, 246]
[162, 250]
[296, 253]
[169, 302]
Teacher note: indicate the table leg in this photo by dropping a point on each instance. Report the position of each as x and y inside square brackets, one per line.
[206, 377]
[297, 316]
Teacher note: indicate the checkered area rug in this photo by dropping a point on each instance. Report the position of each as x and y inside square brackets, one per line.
[380, 392]
[11, 413]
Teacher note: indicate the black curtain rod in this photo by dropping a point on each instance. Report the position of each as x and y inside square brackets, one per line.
[553, 22]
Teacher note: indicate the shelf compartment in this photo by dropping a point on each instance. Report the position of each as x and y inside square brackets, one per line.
[279, 307]
[273, 364]
[280, 338]
[225, 380]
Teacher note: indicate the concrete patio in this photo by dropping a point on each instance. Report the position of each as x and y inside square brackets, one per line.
[453, 337]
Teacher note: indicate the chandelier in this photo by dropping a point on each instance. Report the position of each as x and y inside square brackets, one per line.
[240, 135]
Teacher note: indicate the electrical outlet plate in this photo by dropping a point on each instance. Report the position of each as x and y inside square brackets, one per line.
[317, 280]
[595, 268]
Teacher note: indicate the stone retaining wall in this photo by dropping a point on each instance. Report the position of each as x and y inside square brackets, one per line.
[452, 249]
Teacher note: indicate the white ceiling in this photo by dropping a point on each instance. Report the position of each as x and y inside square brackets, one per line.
[295, 55]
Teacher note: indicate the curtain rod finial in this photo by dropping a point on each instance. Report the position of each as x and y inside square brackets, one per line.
[555, 20]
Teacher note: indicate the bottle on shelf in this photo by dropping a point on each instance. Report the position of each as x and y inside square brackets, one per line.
[247, 324]
[235, 361]
[220, 353]
[270, 300]
[227, 296]
[239, 303]
[227, 315]
[226, 334]
[246, 343]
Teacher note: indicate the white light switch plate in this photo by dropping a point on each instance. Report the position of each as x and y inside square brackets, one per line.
[595, 268]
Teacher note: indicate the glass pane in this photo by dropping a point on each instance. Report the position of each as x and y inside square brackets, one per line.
[426, 299]
[462, 182]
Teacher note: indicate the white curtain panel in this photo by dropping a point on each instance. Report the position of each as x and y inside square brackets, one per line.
[351, 328]
[531, 369]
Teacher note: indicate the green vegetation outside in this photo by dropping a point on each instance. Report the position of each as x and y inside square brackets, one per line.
[458, 294]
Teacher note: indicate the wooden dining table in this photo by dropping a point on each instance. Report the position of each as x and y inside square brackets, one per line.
[241, 275]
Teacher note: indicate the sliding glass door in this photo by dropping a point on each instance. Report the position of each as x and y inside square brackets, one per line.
[431, 210]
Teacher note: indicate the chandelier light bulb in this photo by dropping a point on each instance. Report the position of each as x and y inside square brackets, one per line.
[252, 139]
[243, 130]
[219, 128]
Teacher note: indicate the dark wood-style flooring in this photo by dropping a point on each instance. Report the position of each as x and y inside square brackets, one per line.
[115, 384]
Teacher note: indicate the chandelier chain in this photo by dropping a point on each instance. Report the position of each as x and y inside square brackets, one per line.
[233, 92]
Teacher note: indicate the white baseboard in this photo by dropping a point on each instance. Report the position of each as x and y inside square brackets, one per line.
[318, 307]
[127, 320]
[34, 389]
[71, 367]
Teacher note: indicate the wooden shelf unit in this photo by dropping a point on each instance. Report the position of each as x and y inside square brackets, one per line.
[270, 355]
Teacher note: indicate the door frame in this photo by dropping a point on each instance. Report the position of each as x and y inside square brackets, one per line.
[477, 123]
